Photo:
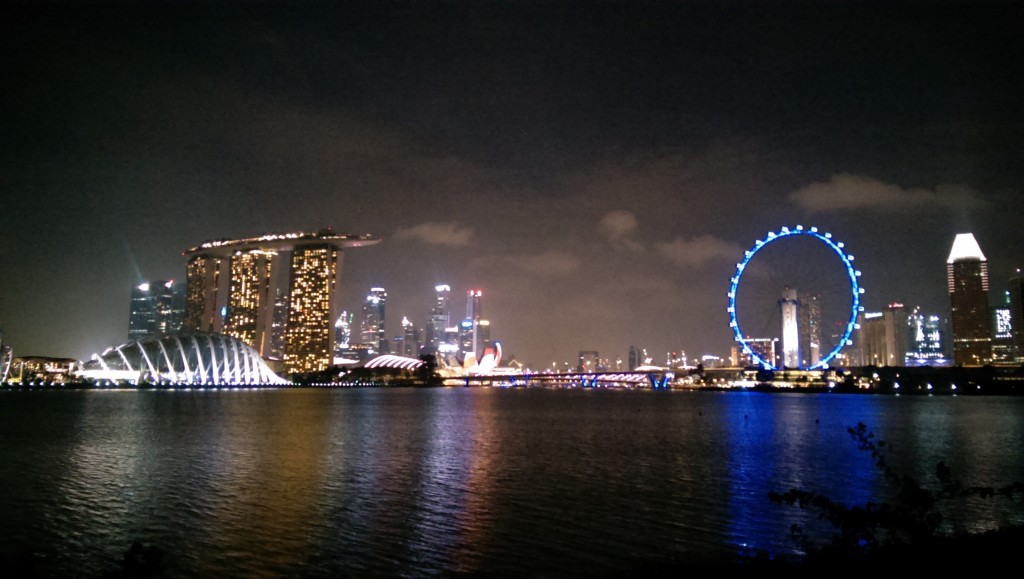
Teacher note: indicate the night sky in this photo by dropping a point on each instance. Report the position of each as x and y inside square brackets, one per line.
[596, 169]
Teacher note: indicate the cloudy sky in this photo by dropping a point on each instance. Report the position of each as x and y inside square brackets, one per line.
[596, 169]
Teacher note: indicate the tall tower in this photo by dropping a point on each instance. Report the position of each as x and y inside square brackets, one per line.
[410, 346]
[790, 307]
[883, 337]
[967, 275]
[473, 316]
[342, 333]
[206, 291]
[278, 326]
[810, 330]
[312, 306]
[234, 286]
[483, 335]
[473, 305]
[440, 317]
[1003, 349]
[250, 314]
[372, 329]
[926, 340]
[1016, 292]
[152, 309]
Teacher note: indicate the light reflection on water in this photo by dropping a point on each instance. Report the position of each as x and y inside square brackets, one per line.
[421, 482]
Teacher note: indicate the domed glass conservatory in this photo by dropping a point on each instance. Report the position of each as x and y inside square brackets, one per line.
[185, 358]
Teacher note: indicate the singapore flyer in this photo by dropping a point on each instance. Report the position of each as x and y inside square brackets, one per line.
[794, 300]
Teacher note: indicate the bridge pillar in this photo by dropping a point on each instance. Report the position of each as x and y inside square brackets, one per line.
[658, 383]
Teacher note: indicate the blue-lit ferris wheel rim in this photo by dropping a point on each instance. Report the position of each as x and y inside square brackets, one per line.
[855, 288]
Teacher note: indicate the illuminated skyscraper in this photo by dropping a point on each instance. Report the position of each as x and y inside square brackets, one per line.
[473, 305]
[152, 310]
[810, 330]
[473, 314]
[372, 328]
[410, 339]
[465, 339]
[883, 337]
[1016, 292]
[342, 333]
[250, 313]
[483, 335]
[206, 291]
[440, 318]
[967, 273]
[927, 339]
[1002, 331]
[278, 327]
[235, 286]
[312, 306]
[790, 308]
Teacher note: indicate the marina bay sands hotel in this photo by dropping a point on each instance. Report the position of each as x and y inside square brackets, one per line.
[232, 286]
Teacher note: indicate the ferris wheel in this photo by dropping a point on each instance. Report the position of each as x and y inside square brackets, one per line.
[794, 299]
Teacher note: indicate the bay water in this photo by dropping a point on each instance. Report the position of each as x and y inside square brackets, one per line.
[423, 482]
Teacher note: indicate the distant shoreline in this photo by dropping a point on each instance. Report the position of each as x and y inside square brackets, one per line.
[766, 387]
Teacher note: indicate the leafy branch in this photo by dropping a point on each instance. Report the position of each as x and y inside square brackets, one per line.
[911, 518]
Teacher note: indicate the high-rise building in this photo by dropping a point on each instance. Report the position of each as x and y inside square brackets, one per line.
[1003, 349]
[248, 314]
[1016, 292]
[483, 335]
[473, 313]
[789, 306]
[883, 337]
[234, 287]
[312, 306]
[765, 348]
[440, 318]
[967, 274]
[152, 310]
[466, 337]
[810, 330]
[927, 340]
[278, 326]
[372, 329]
[342, 333]
[634, 358]
[410, 339]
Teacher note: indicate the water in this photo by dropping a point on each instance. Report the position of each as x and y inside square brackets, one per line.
[450, 481]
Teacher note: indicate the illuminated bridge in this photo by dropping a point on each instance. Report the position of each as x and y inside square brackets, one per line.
[192, 358]
[635, 379]
[656, 378]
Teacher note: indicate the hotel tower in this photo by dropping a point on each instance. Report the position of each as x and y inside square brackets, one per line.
[967, 274]
[231, 285]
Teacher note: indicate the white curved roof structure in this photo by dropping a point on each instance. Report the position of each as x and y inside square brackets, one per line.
[186, 358]
[392, 361]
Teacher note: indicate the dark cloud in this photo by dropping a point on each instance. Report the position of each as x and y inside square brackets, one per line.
[447, 234]
[853, 192]
[697, 251]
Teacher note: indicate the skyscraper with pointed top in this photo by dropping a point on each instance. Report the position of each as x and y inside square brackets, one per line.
[372, 328]
[440, 318]
[967, 276]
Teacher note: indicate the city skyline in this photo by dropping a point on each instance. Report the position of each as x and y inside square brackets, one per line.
[597, 171]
